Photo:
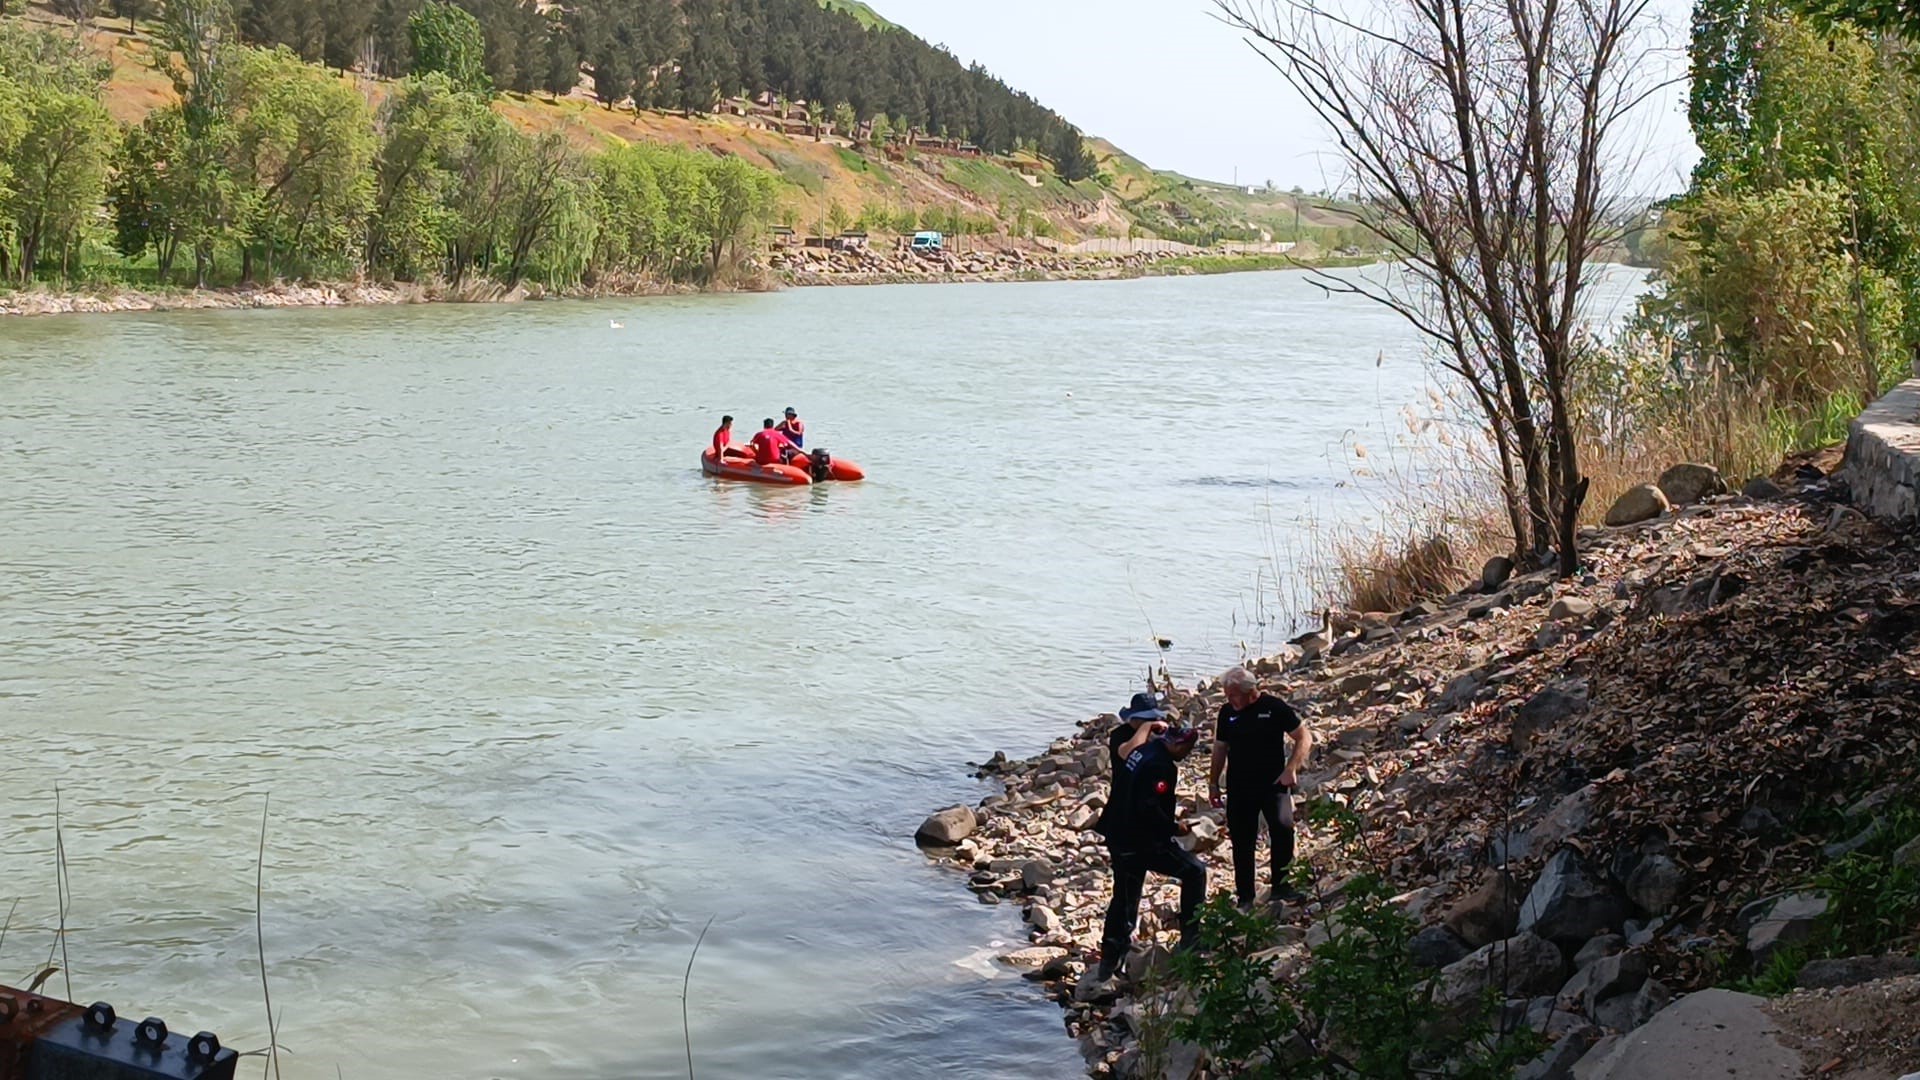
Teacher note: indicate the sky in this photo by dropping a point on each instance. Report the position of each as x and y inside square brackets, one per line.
[1176, 88]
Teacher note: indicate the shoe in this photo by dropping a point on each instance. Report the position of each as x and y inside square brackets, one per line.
[1287, 894]
[1243, 905]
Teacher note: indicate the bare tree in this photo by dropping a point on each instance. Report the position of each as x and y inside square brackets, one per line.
[1481, 137]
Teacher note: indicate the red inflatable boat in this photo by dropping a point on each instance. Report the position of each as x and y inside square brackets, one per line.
[739, 465]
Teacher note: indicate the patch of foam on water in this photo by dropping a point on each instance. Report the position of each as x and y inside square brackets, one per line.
[981, 962]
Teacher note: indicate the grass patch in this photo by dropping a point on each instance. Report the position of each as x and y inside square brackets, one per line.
[1873, 899]
[798, 171]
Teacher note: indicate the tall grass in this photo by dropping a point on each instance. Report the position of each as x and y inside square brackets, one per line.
[1433, 511]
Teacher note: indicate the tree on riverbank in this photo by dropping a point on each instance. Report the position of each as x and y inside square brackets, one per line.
[268, 167]
[1480, 137]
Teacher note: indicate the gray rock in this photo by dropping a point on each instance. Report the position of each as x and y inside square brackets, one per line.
[1625, 1012]
[1827, 974]
[1420, 609]
[1548, 709]
[1035, 873]
[947, 827]
[1907, 854]
[1488, 606]
[1546, 1016]
[1559, 1059]
[1570, 607]
[1043, 918]
[1495, 573]
[1851, 844]
[1436, 947]
[1781, 921]
[1036, 957]
[1691, 482]
[1568, 818]
[1612, 976]
[1643, 503]
[1522, 964]
[1655, 884]
[1599, 948]
[1460, 692]
[1570, 903]
[1761, 488]
[1759, 821]
[1489, 913]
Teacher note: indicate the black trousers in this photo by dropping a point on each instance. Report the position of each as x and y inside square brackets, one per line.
[1130, 870]
[1245, 808]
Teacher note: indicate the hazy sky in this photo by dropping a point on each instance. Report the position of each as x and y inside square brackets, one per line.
[1178, 89]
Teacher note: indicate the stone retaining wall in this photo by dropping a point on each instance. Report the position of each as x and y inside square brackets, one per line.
[1883, 455]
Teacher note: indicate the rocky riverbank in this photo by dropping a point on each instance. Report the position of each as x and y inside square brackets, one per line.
[1598, 795]
[39, 301]
[812, 266]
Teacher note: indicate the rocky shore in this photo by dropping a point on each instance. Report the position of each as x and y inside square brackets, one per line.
[315, 294]
[1594, 793]
[812, 266]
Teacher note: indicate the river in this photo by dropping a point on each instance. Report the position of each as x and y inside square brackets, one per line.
[531, 700]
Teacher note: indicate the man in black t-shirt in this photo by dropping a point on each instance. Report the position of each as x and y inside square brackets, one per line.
[1250, 745]
[1140, 825]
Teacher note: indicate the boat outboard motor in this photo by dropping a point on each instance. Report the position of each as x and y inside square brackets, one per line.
[822, 464]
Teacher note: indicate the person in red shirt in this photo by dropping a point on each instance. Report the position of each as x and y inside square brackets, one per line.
[722, 438]
[769, 446]
[793, 429]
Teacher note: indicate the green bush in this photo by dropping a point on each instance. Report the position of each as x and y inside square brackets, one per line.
[1355, 1006]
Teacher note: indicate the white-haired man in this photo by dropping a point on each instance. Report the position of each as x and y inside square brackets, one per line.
[1250, 745]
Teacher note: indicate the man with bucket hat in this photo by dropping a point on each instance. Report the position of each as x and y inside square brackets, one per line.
[1139, 824]
[793, 429]
[1144, 708]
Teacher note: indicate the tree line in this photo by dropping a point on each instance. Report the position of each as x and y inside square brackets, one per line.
[267, 167]
[688, 55]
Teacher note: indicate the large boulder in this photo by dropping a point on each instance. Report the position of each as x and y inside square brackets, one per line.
[1691, 482]
[1489, 913]
[1643, 503]
[1780, 921]
[947, 827]
[1495, 573]
[1571, 903]
[1558, 1060]
[1712, 1033]
[1625, 1012]
[1853, 970]
[1655, 884]
[1522, 965]
[1436, 947]
[1568, 818]
[1612, 976]
[1548, 709]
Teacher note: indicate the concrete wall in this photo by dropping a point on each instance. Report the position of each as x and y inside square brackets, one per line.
[1883, 455]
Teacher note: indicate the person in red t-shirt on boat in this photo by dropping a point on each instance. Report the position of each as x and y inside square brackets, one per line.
[771, 446]
[723, 439]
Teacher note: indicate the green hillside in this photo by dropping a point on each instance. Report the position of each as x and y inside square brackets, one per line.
[866, 15]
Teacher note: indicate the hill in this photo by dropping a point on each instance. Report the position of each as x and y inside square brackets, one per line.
[866, 15]
[1018, 195]
[834, 177]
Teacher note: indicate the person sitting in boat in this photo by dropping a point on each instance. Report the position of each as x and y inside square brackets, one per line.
[793, 429]
[771, 447]
[722, 438]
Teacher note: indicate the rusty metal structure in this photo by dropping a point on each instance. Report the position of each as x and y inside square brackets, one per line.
[43, 1038]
